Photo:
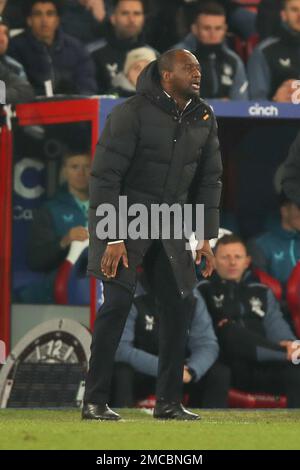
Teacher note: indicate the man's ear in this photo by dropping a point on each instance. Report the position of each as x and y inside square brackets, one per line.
[166, 75]
[194, 29]
[112, 19]
[283, 15]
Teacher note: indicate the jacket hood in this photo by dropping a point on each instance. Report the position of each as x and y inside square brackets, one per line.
[148, 82]
[148, 85]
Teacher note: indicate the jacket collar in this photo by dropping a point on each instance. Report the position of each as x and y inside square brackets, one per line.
[40, 46]
[149, 85]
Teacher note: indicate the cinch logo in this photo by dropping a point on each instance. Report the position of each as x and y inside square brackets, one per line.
[2, 92]
[267, 111]
[2, 353]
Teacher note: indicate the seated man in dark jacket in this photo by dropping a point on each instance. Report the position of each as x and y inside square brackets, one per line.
[255, 341]
[48, 54]
[124, 33]
[275, 62]
[205, 380]
[60, 221]
[5, 59]
[291, 172]
[17, 89]
[223, 72]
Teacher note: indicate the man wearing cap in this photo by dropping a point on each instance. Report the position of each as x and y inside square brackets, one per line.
[17, 89]
[6, 60]
[136, 60]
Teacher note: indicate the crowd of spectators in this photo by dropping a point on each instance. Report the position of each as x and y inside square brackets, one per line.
[82, 46]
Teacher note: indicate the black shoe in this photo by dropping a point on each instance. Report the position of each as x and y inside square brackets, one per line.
[173, 410]
[99, 412]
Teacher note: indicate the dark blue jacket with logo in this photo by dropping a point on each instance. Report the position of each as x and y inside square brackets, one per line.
[65, 63]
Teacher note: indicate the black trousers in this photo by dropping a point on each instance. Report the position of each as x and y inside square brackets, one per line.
[275, 378]
[130, 386]
[175, 317]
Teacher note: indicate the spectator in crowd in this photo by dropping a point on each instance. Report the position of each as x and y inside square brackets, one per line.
[126, 33]
[8, 61]
[275, 62]
[84, 19]
[278, 251]
[124, 84]
[49, 54]
[17, 89]
[168, 21]
[205, 380]
[291, 173]
[255, 341]
[223, 73]
[268, 21]
[241, 16]
[60, 221]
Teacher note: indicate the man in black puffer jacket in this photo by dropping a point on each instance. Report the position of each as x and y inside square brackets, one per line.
[160, 146]
[291, 172]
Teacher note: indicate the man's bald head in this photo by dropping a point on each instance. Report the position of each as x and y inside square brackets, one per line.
[167, 60]
[179, 72]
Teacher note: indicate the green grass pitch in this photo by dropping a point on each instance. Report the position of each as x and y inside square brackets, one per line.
[218, 429]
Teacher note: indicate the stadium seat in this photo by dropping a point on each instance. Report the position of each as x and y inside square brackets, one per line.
[269, 281]
[244, 48]
[293, 297]
[239, 399]
[72, 287]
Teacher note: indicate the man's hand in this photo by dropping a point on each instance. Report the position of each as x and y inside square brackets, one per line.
[222, 322]
[111, 259]
[186, 375]
[79, 234]
[284, 92]
[97, 8]
[292, 352]
[206, 251]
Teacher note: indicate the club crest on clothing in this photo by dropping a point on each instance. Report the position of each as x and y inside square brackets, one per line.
[256, 306]
[112, 69]
[68, 218]
[149, 323]
[218, 300]
[279, 256]
[227, 69]
[285, 62]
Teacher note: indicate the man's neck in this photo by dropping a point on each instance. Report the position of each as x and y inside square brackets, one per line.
[180, 102]
[48, 41]
[81, 195]
[286, 226]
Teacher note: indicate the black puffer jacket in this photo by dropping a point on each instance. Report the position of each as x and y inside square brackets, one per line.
[152, 155]
[291, 172]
